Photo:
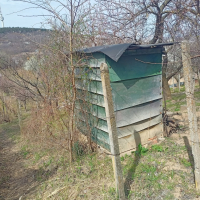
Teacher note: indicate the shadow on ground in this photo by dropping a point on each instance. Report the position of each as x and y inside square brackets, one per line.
[129, 178]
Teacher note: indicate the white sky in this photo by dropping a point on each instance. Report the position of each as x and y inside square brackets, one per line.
[11, 19]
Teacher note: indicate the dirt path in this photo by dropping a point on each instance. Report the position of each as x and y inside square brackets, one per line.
[15, 179]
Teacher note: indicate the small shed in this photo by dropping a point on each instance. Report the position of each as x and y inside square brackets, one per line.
[136, 80]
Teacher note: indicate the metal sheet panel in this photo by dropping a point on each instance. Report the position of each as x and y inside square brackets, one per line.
[137, 91]
[131, 119]
[98, 136]
[116, 51]
[138, 113]
[138, 126]
[93, 109]
[91, 86]
[91, 97]
[94, 60]
[129, 67]
[92, 120]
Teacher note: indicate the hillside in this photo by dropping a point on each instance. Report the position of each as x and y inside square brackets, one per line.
[15, 41]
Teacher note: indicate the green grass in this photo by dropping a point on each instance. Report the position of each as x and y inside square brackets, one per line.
[25, 151]
[185, 162]
[157, 148]
[179, 99]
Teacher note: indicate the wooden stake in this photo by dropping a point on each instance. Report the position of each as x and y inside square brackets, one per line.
[189, 90]
[114, 144]
[179, 84]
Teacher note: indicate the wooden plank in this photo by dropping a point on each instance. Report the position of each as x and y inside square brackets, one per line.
[134, 66]
[137, 91]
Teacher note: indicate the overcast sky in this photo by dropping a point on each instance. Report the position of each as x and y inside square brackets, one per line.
[11, 19]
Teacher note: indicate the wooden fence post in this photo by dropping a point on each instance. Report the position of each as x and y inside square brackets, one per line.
[189, 90]
[112, 129]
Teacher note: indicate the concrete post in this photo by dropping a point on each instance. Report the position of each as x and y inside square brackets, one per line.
[189, 90]
[114, 144]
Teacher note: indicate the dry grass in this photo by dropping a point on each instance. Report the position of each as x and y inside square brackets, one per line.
[165, 171]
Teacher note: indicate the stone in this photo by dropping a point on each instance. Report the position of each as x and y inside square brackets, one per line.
[183, 108]
[161, 139]
[178, 117]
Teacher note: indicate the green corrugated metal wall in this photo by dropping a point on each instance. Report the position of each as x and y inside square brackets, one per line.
[136, 86]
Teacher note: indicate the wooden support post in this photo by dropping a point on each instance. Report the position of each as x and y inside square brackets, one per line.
[173, 83]
[189, 90]
[112, 129]
[179, 84]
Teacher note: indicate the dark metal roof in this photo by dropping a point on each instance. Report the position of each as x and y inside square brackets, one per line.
[115, 51]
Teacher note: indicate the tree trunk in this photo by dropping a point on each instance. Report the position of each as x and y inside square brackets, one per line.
[165, 85]
[198, 76]
[166, 89]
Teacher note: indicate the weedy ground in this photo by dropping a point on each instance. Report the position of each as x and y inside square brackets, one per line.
[160, 171]
[179, 98]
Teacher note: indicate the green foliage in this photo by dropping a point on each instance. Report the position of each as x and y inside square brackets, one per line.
[24, 151]
[141, 150]
[112, 191]
[122, 158]
[157, 148]
[185, 162]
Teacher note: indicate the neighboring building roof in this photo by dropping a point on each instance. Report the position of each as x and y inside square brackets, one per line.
[115, 51]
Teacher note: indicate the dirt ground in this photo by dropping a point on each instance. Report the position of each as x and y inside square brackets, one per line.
[15, 179]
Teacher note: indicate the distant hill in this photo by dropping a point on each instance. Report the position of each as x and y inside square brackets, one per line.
[20, 30]
[17, 40]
